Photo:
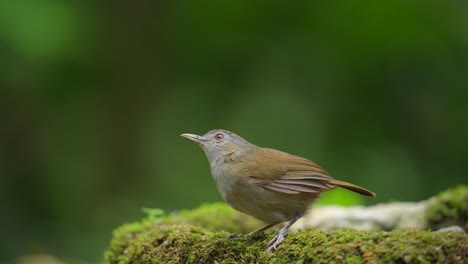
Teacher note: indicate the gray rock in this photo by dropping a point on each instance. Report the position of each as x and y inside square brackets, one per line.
[378, 217]
[452, 229]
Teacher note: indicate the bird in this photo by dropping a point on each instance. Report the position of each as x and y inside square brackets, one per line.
[270, 185]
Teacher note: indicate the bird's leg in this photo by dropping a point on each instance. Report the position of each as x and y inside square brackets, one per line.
[253, 232]
[234, 235]
[280, 237]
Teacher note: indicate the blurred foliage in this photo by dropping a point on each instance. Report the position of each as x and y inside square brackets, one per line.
[449, 208]
[94, 96]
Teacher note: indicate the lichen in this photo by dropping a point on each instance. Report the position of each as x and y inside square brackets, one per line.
[449, 208]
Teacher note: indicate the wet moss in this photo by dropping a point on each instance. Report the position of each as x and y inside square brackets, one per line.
[449, 208]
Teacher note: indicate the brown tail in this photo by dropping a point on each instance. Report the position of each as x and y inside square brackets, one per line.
[352, 187]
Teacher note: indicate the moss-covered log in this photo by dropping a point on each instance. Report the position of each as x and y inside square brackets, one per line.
[136, 243]
[199, 236]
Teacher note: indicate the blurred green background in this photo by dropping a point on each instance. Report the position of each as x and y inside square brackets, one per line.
[94, 96]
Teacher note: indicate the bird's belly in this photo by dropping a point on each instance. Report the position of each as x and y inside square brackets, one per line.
[268, 206]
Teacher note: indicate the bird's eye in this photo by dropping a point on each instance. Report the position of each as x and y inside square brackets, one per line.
[219, 136]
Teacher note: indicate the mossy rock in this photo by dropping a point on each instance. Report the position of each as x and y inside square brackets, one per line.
[449, 208]
[199, 236]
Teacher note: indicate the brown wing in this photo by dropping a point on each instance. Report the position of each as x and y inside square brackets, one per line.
[281, 172]
[285, 173]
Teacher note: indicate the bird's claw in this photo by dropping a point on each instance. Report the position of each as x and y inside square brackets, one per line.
[275, 242]
[272, 248]
[233, 235]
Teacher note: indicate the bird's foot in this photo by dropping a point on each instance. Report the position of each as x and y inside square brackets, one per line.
[280, 237]
[276, 241]
[234, 235]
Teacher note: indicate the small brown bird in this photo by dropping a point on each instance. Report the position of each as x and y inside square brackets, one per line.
[270, 185]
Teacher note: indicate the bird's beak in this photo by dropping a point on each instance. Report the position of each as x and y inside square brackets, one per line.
[195, 138]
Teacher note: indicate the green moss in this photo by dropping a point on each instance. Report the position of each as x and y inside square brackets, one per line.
[216, 217]
[191, 244]
[195, 236]
[449, 208]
